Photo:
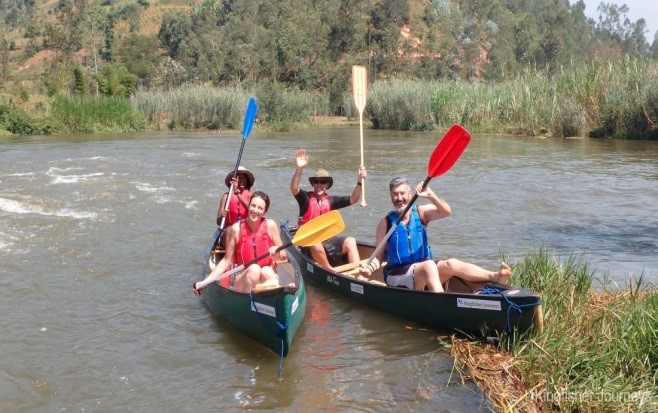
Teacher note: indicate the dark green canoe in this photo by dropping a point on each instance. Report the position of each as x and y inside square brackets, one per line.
[493, 309]
[271, 317]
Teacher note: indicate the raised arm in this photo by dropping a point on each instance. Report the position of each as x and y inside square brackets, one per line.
[235, 185]
[358, 188]
[436, 210]
[301, 159]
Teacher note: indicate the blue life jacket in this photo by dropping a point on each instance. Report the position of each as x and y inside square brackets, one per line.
[408, 243]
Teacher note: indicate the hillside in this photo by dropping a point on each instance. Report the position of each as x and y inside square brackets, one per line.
[303, 43]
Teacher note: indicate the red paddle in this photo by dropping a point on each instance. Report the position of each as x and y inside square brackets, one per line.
[446, 153]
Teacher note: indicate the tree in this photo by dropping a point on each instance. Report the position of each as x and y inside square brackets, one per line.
[79, 82]
[617, 28]
[175, 28]
[141, 55]
[115, 80]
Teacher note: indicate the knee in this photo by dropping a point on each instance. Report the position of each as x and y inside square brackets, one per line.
[427, 267]
[253, 269]
[317, 248]
[349, 243]
[450, 263]
[447, 267]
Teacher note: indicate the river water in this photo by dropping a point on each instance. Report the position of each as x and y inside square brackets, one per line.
[102, 235]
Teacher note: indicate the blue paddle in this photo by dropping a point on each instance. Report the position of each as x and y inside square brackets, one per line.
[247, 126]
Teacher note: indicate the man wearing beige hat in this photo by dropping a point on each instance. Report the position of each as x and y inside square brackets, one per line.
[314, 203]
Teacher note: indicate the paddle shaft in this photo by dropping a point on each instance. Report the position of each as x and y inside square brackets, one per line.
[363, 181]
[235, 173]
[315, 231]
[247, 125]
[359, 88]
[255, 260]
[397, 222]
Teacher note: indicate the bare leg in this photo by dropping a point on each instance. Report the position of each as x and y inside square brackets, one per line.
[320, 256]
[268, 275]
[350, 248]
[470, 272]
[426, 274]
[245, 281]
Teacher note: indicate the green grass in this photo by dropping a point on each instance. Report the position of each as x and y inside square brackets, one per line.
[95, 115]
[207, 107]
[617, 99]
[598, 351]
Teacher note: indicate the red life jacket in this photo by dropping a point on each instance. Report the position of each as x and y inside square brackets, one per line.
[315, 207]
[251, 245]
[236, 211]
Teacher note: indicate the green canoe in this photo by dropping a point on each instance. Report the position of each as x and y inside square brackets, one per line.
[271, 317]
[482, 311]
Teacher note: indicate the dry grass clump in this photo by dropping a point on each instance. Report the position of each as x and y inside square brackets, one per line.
[495, 374]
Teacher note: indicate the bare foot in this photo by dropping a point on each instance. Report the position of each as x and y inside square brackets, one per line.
[504, 273]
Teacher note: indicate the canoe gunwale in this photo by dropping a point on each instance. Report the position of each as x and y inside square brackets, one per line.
[465, 313]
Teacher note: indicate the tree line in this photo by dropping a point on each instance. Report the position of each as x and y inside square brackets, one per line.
[310, 45]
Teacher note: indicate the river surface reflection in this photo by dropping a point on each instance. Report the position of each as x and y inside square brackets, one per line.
[101, 236]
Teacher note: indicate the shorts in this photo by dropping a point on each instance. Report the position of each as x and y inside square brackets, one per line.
[400, 276]
[333, 247]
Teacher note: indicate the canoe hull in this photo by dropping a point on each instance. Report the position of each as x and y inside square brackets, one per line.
[480, 315]
[270, 317]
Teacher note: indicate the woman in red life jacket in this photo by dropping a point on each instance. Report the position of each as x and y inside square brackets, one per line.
[239, 201]
[248, 239]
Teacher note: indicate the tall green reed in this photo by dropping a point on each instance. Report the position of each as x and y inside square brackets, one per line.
[192, 107]
[89, 115]
[618, 99]
[206, 106]
[598, 351]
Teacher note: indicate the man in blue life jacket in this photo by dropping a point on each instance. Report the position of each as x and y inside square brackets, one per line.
[407, 253]
[314, 203]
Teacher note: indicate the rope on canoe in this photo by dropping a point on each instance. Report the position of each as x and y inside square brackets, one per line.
[510, 305]
[281, 326]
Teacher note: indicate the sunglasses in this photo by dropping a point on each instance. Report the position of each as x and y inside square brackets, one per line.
[321, 181]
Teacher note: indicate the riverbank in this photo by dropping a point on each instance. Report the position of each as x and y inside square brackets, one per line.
[597, 352]
[597, 100]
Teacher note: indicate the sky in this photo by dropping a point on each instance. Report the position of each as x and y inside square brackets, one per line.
[647, 9]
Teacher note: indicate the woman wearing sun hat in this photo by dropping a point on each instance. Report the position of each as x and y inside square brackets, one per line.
[317, 202]
[238, 205]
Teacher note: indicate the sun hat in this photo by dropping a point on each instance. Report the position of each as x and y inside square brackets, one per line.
[241, 171]
[322, 175]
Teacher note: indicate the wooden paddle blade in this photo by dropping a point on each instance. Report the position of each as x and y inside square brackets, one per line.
[359, 86]
[449, 149]
[249, 118]
[319, 229]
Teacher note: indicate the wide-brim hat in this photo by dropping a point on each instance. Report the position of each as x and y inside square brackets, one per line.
[322, 174]
[241, 171]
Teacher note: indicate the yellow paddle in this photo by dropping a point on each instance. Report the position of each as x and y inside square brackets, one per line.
[359, 87]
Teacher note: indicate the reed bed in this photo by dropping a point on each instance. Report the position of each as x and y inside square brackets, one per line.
[597, 352]
[617, 99]
[192, 107]
[92, 115]
[210, 107]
